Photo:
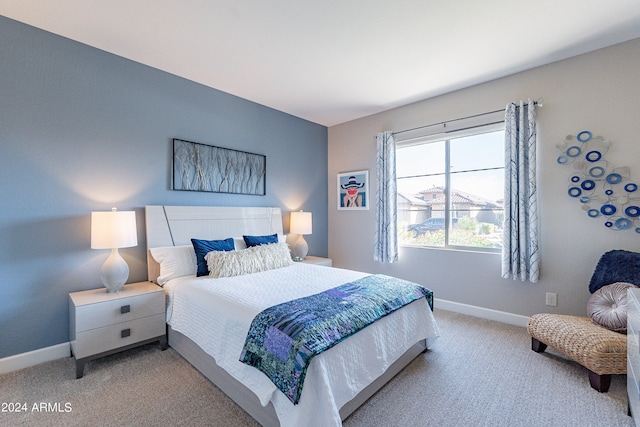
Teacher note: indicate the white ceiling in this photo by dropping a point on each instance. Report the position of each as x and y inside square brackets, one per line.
[331, 61]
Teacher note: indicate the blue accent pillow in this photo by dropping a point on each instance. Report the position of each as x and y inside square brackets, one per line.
[260, 240]
[616, 266]
[203, 247]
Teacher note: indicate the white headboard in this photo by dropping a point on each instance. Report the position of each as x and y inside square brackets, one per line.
[177, 225]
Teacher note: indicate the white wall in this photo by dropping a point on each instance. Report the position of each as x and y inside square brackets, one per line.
[599, 91]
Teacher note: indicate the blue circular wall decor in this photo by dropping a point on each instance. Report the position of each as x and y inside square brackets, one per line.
[605, 192]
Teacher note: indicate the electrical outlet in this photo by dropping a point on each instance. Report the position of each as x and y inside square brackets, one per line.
[552, 299]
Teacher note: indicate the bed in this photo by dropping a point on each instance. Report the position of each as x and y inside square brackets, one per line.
[338, 380]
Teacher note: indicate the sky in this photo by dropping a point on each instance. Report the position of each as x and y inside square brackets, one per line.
[468, 153]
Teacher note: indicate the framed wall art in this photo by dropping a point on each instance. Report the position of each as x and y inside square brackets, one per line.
[353, 190]
[604, 192]
[201, 167]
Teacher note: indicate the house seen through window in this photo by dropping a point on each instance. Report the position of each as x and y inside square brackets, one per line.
[451, 189]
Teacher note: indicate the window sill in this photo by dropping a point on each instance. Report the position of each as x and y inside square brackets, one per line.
[490, 251]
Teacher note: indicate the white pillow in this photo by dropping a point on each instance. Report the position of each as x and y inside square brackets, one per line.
[239, 244]
[175, 261]
[247, 261]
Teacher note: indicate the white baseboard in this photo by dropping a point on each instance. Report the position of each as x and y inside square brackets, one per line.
[485, 313]
[35, 357]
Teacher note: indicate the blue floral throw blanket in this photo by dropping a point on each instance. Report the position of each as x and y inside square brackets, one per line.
[284, 338]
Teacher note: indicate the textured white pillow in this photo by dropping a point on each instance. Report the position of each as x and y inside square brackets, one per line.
[175, 261]
[247, 261]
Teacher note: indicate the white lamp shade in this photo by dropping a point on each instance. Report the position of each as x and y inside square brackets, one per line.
[301, 223]
[115, 229]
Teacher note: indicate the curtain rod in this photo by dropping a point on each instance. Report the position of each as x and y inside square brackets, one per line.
[537, 102]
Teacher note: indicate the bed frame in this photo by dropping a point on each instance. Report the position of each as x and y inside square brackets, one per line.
[175, 226]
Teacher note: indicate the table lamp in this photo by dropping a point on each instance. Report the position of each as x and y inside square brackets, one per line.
[300, 224]
[113, 230]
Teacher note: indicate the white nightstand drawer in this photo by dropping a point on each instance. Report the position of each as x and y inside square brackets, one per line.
[327, 262]
[633, 353]
[92, 316]
[99, 340]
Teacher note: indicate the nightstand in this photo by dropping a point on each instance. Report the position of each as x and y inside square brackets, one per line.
[103, 323]
[633, 354]
[318, 261]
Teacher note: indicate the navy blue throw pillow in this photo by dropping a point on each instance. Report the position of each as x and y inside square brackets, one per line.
[203, 247]
[616, 266]
[260, 240]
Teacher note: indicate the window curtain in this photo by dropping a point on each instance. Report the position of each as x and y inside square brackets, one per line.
[386, 239]
[520, 255]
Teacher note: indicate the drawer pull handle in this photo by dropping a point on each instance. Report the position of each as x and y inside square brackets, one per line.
[125, 333]
[125, 309]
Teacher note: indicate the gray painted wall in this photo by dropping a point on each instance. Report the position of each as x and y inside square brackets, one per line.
[598, 91]
[84, 130]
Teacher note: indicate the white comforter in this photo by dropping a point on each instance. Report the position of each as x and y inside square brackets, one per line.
[216, 315]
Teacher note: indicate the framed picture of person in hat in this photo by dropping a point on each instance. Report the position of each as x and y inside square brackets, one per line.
[353, 190]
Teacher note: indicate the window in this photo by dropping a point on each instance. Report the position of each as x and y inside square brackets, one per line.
[451, 189]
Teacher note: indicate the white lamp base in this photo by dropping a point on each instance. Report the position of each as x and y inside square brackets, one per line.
[114, 272]
[300, 249]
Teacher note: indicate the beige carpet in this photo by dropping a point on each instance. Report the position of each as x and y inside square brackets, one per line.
[479, 373]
